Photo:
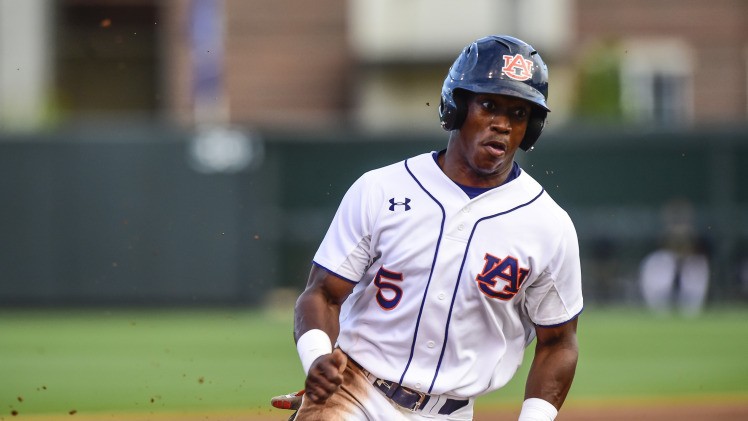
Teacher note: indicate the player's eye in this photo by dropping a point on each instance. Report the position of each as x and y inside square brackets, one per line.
[521, 113]
[488, 105]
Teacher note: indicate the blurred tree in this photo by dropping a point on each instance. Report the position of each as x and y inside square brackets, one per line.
[599, 83]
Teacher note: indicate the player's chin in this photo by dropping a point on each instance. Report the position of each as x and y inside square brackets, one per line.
[490, 166]
[488, 175]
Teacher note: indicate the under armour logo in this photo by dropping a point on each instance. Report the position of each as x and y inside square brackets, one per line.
[517, 67]
[405, 203]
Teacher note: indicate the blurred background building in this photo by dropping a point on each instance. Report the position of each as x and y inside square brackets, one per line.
[193, 151]
[356, 63]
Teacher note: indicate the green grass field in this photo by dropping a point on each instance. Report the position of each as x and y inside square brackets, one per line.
[180, 360]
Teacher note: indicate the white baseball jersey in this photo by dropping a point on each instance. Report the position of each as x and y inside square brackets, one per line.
[448, 287]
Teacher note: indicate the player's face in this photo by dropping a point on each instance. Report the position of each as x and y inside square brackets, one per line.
[490, 136]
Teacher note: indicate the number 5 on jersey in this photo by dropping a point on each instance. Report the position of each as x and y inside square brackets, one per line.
[384, 281]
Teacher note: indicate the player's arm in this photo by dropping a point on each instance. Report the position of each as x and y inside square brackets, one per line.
[316, 328]
[551, 372]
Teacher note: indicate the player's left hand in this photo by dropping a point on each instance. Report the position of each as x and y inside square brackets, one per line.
[325, 376]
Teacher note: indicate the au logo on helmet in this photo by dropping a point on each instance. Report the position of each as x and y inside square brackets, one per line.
[517, 67]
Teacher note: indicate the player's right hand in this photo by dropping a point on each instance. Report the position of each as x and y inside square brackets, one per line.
[325, 376]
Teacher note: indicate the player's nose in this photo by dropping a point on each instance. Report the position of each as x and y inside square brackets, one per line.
[500, 122]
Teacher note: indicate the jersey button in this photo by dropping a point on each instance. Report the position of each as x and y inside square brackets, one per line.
[418, 386]
[430, 344]
[441, 296]
[460, 227]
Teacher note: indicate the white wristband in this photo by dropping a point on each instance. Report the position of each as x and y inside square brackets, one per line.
[536, 409]
[311, 345]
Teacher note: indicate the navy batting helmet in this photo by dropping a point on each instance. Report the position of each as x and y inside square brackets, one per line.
[497, 65]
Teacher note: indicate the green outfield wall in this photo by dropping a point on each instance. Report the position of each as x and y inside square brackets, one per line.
[134, 217]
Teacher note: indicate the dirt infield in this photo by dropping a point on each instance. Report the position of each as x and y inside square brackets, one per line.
[711, 411]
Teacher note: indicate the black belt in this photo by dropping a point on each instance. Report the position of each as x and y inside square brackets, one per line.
[409, 398]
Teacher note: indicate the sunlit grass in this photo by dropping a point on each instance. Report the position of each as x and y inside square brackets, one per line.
[176, 360]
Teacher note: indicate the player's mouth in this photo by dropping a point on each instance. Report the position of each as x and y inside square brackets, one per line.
[495, 148]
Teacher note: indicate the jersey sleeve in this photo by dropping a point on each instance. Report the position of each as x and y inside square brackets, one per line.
[556, 296]
[345, 249]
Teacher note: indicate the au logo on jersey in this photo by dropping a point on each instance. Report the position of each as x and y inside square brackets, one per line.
[517, 67]
[506, 270]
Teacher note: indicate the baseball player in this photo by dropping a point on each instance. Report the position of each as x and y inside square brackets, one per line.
[439, 270]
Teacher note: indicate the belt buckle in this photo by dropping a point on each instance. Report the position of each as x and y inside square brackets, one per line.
[385, 383]
[421, 398]
[392, 387]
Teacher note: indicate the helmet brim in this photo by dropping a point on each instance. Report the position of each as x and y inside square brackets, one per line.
[515, 90]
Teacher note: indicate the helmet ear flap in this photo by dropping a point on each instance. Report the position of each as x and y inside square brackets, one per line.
[534, 128]
[452, 110]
